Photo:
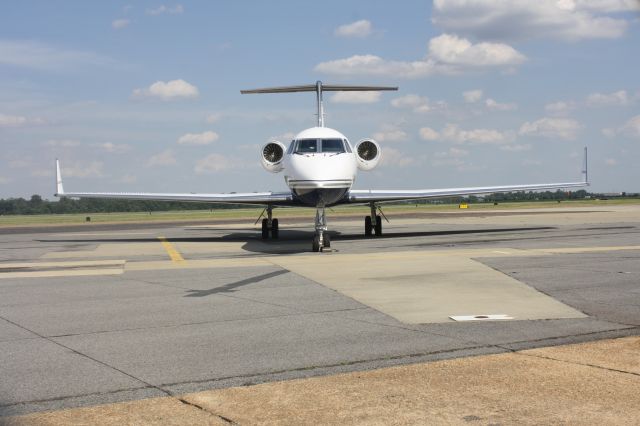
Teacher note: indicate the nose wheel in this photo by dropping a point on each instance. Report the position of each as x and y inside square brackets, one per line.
[321, 240]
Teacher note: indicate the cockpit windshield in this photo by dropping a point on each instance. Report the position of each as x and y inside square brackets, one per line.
[306, 146]
[332, 145]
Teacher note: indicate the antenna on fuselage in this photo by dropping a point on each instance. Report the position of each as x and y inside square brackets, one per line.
[319, 88]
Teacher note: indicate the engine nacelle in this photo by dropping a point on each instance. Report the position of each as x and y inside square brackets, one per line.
[272, 156]
[368, 154]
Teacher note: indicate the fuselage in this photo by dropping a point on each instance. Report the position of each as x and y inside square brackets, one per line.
[320, 166]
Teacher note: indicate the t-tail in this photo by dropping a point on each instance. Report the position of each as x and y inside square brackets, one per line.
[318, 87]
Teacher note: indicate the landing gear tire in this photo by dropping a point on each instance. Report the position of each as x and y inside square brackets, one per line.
[326, 241]
[274, 229]
[367, 226]
[265, 229]
[378, 226]
[316, 244]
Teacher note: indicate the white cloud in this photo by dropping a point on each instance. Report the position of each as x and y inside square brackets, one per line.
[453, 152]
[355, 97]
[563, 128]
[618, 98]
[513, 20]
[610, 162]
[632, 127]
[213, 163]
[560, 107]
[114, 148]
[84, 170]
[162, 9]
[472, 96]
[447, 54]
[164, 158]
[496, 106]
[12, 120]
[453, 133]
[214, 117]
[515, 147]
[61, 143]
[419, 104]
[120, 23]
[390, 133]
[428, 134]
[358, 29]
[204, 138]
[174, 89]
[393, 157]
[31, 54]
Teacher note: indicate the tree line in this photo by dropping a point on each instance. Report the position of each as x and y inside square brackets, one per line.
[37, 205]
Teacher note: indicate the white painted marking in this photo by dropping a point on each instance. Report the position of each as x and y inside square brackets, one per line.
[481, 317]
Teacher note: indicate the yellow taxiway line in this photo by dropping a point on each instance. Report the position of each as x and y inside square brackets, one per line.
[173, 253]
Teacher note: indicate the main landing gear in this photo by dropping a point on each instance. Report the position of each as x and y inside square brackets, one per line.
[320, 240]
[269, 224]
[373, 223]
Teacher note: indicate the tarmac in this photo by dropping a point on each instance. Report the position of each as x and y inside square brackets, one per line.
[446, 318]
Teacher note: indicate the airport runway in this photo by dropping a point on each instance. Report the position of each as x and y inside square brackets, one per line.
[92, 316]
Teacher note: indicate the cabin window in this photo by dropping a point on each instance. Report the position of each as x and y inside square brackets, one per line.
[306, 146]
[332, 145]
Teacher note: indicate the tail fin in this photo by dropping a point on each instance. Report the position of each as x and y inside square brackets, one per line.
[59, 188]
[585, 169]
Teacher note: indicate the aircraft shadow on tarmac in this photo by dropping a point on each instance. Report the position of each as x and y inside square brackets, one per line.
[291, 240]
[231, 287]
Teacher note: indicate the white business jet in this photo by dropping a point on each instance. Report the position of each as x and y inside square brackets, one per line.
[319, 167]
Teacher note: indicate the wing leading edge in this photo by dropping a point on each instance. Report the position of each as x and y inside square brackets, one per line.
[255, 198]
[366, 196]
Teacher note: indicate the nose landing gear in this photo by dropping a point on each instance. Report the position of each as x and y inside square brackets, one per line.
[320, 240]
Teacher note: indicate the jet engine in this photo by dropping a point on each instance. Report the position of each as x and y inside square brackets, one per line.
[272, 155]
[368, 154]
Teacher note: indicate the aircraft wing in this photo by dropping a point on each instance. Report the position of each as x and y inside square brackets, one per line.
[255, 198]
[366, 196]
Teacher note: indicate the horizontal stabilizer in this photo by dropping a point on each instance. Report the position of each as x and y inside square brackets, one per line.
[314, 88]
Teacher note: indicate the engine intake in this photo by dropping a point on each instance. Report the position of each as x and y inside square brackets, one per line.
[272, 155]
[368, 154]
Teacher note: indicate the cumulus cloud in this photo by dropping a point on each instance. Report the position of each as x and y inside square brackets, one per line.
[428, 134]
[390, 133]
[618, 98]
[355, 97]
[497, 106]
[113, 148]
[559, 107]
[630, 129]
[119, 23]
[213, 163]
[167, 91]
[419, 104]
[204, 138]
[472, 96]
[569, 20]
[35, 55]
[395, 158]
[452, 133]
[92, 169]
[61, 143]
[447, 54]
[164, 158]
[563, 128]
[214, 117]
[358, 29]
[12, 120]
[162, 9]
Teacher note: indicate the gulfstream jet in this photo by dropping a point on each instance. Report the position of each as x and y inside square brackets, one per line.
[319, 167]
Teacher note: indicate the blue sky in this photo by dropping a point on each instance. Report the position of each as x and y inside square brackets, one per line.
[145, 96]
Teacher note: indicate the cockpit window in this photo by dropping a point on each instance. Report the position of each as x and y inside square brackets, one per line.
[332, 145]
[291, 146]
[306, 146]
